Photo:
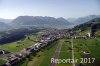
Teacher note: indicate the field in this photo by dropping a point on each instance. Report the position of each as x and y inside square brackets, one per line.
[83, 48]
[65, 52]
[2, 62]
[87, 48]
[17, 46]
[43, 57]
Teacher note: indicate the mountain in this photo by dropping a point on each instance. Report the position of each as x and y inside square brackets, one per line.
[48, 22]
[81, 20]
[90, 26]
[4, 26]
[5, 20]
[40, 21]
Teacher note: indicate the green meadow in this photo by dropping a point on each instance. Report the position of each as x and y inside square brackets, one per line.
[91, 47]
[19, 45]
[65, 52]
[43, 57]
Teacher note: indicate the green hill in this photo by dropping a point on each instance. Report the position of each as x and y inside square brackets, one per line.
[92, 26]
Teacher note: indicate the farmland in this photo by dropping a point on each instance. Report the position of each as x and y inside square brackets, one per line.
[17, 46]
[65, 52]
[87, 48]
[83, 48]
[43, 57]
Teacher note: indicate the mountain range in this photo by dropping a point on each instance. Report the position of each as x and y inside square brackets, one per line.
[77, 21]
[40, 21]
[48, 22]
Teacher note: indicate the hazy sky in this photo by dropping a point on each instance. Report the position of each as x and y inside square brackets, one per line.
[56, 8]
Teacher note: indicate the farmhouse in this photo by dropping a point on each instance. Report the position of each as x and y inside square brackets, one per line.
[4, 52]
[89, 35]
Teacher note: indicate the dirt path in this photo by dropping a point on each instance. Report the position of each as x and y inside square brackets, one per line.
[72, 52]
[57, 53]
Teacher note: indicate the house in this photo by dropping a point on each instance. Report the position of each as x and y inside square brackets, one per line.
[89, 35]
[4, 52]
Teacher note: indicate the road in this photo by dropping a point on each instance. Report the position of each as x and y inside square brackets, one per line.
[72, 52]
[57, 53]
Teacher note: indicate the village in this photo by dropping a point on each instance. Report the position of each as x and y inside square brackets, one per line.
[46, 39]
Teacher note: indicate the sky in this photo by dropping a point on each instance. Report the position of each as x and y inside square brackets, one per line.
[10, 9]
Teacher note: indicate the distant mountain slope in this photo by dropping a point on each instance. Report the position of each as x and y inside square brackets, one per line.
[81, 20]
[5, 20]
[40, 21]
[90, 26]
[3, 26]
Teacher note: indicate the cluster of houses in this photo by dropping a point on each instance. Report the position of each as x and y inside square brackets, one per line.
[46, 39]
[77, 36]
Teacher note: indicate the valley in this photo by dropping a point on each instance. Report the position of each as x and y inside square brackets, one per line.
[49, 32]
[32, 46]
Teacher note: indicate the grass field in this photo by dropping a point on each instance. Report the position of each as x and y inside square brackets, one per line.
[17, 46]
[65, 52]
[43, 57]
[2, 62]
[92, 46]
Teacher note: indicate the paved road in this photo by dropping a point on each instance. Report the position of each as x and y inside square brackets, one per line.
[56, 54]
[72, 52]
